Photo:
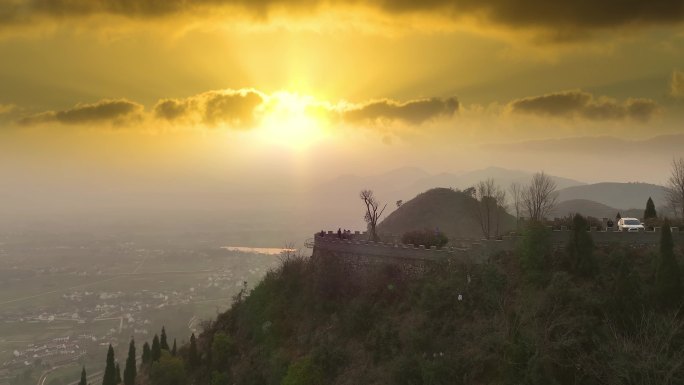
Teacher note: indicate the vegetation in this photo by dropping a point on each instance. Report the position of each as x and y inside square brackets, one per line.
[84, 377]
[109, 376]
[427, 238]
[130, 371]
[650, 211]
[539, 315]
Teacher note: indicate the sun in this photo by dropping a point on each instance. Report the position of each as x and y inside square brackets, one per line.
[289, 119]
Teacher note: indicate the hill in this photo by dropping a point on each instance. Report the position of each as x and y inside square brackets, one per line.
[313, 321]
[448, 210]
[619, 195]
[585, 207]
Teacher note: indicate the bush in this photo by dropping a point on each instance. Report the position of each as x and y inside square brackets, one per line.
[303, 372]
[168, 370]
[534, 250]
[426, 237]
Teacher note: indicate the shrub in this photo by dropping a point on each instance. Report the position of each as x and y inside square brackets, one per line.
[426, 237]
[303, 372]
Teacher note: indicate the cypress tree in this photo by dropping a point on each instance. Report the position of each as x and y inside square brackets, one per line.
[162, 341]
[146, 354]
[668, 282]
[84, 377]
[118, 374]
[130, 370]
[581, 247]
[156, 349]
[650, 211]
[193, 357]
[173, 349]
[109, 377]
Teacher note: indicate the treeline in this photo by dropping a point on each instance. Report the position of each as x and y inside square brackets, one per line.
[540, 315]
[159, 364]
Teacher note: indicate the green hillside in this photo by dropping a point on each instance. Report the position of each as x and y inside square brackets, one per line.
[537, 316]
[448, 210]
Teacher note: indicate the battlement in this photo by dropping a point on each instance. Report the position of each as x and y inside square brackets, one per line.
[474, 250]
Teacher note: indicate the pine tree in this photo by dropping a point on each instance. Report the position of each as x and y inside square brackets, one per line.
[117, 380]
[193, 356]
[84, 377]
[581, 247]
[173, 349]
[618, 217]
[109, 377]
[650, 211]
[130, 370]
[162, 341]
[146, 354]
[156, 349]
[668, 282]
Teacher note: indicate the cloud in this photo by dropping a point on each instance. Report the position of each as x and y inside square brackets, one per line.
[7, 108]
[413, 112]
[236, 108]
[105, 111]
[677, 84]
[562, 15]
[577, 103]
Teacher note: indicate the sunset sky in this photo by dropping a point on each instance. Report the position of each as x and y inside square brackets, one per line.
[147, 95]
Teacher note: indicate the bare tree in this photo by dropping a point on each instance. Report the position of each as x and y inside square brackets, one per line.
[540, 197]
[488, 198]
[516, 190]
[675, 187]
[373, 212]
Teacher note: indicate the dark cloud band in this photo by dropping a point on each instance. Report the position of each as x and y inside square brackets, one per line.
[415, 111]
[566, 15]
[572, 104]
[112, 111]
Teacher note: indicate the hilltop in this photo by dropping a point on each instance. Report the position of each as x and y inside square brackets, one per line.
[448, 210]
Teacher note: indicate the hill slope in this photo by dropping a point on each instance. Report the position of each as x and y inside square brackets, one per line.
[585, 207]
[441, 208]
[620, 195]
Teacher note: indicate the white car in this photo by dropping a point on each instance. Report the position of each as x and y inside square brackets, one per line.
[630, 224]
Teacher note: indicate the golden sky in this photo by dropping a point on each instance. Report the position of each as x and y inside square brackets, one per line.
[144, 92]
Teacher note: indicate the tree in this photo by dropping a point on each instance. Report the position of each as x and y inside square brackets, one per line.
[488, 198]
[162, 340]
[668, 281]
[650, 211]
[539, 197]
[675, 187]
[109, 376]
[303, 372]
[516, 191]
[168, 371]
[130, 371]
[373, 212]
[156, 348]
[174, 350]
[118, 374]
[580, 247]
[193, 356]
[146, 354]
[222, 348]
[84, 377]
[535, 250]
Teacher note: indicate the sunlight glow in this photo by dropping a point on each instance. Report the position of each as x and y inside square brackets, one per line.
[288, 121]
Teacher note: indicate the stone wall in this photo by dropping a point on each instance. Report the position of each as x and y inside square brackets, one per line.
[356, 250]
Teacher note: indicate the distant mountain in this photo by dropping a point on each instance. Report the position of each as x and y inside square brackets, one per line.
[618, 195]
[406, 183]
[441, 208]
[584, 207]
